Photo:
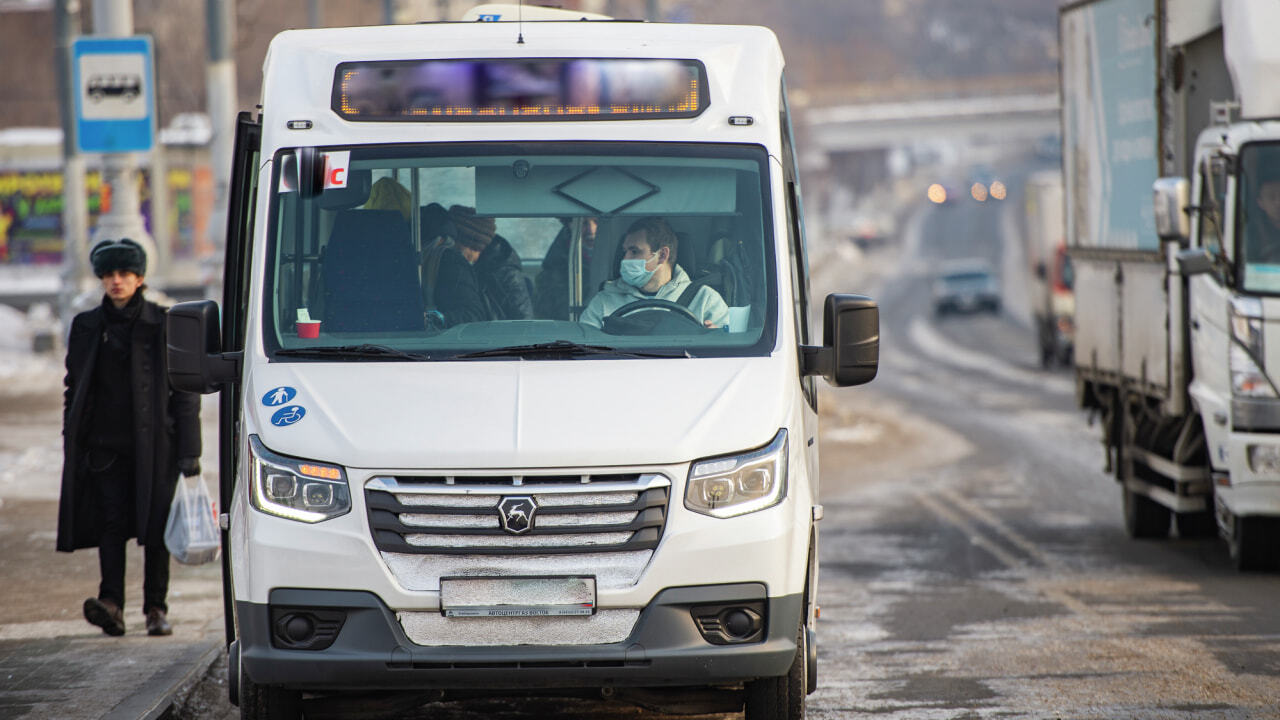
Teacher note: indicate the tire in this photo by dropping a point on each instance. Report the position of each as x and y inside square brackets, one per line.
[781, 698]
[1194, 525]
[1255, 543]
[1144, 517]
[263, 702]
[1046, 356]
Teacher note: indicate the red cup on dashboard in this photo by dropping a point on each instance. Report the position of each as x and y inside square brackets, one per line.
[310, 329]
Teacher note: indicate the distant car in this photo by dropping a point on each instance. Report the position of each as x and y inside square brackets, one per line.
[966, 286]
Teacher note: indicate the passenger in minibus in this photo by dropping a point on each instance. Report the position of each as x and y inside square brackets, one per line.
[551, 300]
[450, 291]
[507, 291]
[649, 271]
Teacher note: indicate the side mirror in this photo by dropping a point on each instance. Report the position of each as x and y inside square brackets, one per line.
[1171, 199]
[1195, 261]
[194, 348]
[850, 350]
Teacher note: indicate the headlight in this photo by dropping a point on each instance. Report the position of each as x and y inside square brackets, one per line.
[1247, 378]
[739, 484]
[296, 489]
[1264, 459]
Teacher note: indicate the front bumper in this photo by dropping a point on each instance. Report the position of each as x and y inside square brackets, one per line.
[371, 651]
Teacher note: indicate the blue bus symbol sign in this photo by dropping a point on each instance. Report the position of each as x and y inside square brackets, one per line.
[278, 396]
[286, 416]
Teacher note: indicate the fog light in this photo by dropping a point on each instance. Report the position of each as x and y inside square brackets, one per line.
[737, 623]
[303, 629]
[1264, 459]
[299, 628]
[730, 624]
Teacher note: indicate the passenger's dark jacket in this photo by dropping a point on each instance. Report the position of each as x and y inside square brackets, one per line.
[503, 282]
[552, 297]
[456, 292]
[166, 426]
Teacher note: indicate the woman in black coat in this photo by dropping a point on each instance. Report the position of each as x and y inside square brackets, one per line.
[126, 435]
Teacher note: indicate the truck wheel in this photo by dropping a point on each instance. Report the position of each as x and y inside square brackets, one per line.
[1046, 356]
[262, 702]
[781, 698]
[1255, 543]
[1144, 517]
[1196, 525]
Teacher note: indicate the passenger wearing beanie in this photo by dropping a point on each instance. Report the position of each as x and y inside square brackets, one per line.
[126, 436]
[449, 284]
[503, 285]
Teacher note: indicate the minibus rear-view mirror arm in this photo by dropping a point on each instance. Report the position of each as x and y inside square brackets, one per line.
[850, 350]
[194, 348]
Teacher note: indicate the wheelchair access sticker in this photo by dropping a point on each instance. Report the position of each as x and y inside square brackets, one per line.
[286, 416]
[278, 396]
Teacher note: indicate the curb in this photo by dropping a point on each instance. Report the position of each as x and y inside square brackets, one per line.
[158, 694]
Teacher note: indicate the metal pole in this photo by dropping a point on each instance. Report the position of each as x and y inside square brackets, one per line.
[114, 18]
[389, 12]
[75, 275]
[651, 10]
[313, 13]
[220, 80]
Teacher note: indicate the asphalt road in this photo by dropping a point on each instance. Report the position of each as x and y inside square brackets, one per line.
[974, 562]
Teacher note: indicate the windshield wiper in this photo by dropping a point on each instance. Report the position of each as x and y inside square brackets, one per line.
[381, 352]
[564, 349]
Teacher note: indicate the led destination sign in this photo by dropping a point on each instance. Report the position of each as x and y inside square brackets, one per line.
[519, 89]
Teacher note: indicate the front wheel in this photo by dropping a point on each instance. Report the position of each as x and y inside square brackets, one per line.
[263, 702]
[781, 698]
[1255, 543]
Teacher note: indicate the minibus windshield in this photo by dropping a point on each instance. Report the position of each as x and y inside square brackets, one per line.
[532, 251]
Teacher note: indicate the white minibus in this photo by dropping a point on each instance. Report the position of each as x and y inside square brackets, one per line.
[516, 377]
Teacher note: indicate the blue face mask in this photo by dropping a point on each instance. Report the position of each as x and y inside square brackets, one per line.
[634, 273]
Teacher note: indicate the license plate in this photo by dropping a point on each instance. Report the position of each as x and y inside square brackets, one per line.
[517, 596]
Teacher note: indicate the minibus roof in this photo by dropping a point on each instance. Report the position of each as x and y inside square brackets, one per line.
[743, 67]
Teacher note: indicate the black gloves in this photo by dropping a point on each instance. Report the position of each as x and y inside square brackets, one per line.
[189, 466]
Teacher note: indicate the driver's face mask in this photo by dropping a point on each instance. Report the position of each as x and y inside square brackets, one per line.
[634, 272]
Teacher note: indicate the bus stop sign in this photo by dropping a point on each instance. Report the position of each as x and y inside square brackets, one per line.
[115, 94]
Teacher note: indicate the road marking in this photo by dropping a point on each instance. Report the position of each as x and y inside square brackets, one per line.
[993, 524]
[974, 534]
[933, 344]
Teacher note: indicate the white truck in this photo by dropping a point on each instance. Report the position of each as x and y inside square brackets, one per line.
[618, 496]
[1177, 301]
[1049, 268]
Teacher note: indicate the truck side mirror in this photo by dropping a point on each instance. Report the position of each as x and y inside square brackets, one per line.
[194, 348]
[1171, 199]
[1195, 261]
[850, 350]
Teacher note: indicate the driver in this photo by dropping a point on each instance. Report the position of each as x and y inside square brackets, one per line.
[1262, 234]
[649, 271]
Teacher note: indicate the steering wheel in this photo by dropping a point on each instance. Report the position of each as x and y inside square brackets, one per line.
[676, 309]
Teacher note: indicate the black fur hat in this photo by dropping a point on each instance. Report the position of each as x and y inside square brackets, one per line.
[123, 254]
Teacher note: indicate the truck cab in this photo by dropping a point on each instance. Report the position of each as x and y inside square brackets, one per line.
[516, 368]
[1233, 291]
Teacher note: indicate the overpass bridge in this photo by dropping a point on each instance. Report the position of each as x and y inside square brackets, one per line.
[869, 126]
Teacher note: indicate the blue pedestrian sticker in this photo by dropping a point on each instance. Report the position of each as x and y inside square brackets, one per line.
[286, 416]
[278, 396]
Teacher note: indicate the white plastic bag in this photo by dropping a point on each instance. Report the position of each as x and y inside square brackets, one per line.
[192, 531]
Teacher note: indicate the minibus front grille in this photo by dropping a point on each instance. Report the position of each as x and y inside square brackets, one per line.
[464, 517]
